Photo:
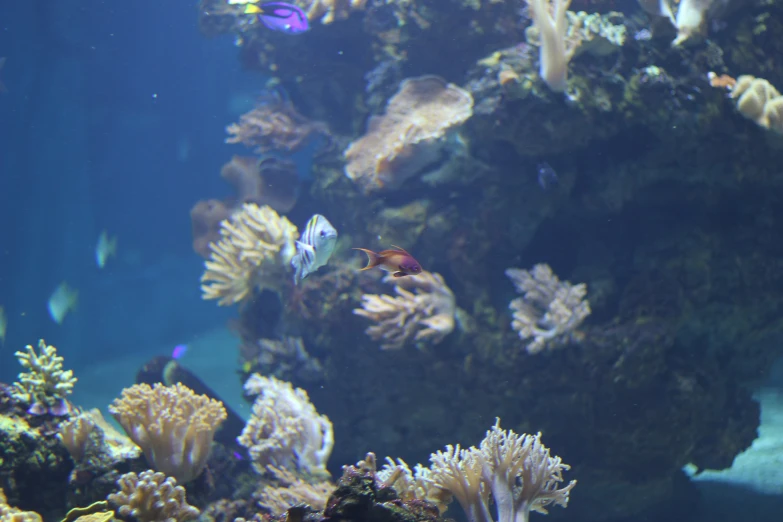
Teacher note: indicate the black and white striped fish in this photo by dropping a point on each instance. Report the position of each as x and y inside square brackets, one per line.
[314, 247]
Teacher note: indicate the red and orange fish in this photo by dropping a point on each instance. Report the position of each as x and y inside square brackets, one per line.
[396, 260]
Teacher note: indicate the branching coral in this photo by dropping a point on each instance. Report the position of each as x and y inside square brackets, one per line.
[151, 497]
[173, 426]
[273, 126]
[555, 49]
[45, 385]
[690, 18]
[255, 251]
[285, 429]
[292, 491]
[550, 311]
[423, 310]
[517, 470]
[598, 34]
[410, 485]
[760, 101]
[411, 134]
[11, 514]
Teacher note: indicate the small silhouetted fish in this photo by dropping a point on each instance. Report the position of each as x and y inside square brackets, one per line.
[179, 351]
[547, 177]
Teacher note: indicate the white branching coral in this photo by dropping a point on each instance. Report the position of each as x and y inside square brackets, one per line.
[412, 484]
[423, 310]
[555, 49]
[254, 251]
[517, 470]
[550, 311]
[285, 430]
[45, 385]
[689, 17]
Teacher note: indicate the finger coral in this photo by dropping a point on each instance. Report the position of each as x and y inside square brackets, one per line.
[555, 48]
[410, 485]
[45, 385]
[273, 126]
[517, 470]
[411, 135]
[151, 497]
[760, 101]
[172, 425]
[598, 34]
[423, 310]
[550, 311]
[254, 251]
[11, 514]
[285, 430]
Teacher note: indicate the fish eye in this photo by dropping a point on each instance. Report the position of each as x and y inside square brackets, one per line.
[323, 233]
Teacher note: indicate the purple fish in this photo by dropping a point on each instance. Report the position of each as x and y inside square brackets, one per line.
[280, 16]
[179, 351]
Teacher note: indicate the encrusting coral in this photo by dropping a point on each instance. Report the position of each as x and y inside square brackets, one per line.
[45, 385]
[517, 469]
[172, 425]
[550, 311]
[285, 430]
[151, 497]
[423, 310]
[254, 252]
[411, 135]
[760, 101]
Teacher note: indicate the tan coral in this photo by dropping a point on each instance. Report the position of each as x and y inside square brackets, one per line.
[172, 425]
[292, 491]
[11, 514]
[273, 126]
[416, 484]
[45, 384]
[76, 434]
[760, 101]
[285, 430]
[550, 311]
[411, 135]
[424, 310]
[151, 497]
[255, 251]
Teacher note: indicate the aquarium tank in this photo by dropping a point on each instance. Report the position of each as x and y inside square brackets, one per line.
[391, 260]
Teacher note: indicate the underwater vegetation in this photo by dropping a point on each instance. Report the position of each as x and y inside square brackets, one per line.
[591, 201]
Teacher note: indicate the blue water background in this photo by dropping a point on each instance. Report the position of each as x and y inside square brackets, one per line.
[114, 120]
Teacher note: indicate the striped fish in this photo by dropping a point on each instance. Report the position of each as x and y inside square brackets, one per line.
[314, 247]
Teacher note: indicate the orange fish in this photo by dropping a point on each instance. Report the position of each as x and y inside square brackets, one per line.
[397, 261]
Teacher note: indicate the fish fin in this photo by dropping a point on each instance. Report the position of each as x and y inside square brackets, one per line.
[373, 259]
[253, 9]
[305, 246]
[399, 274]
[401, 249]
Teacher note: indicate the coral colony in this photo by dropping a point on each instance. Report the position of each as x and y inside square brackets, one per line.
[440, 128]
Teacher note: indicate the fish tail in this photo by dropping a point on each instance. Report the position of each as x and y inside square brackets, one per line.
[373, 259]
[296, 262]
[253, 9]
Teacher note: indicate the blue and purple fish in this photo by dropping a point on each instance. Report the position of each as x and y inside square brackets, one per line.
[280, 16]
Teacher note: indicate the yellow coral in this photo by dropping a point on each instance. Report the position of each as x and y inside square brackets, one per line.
[11, 514]
[172, 425]
[760, 101]
[428, 315]
[45, 385]
[410, 135]
[254, 251]
[152, 497]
